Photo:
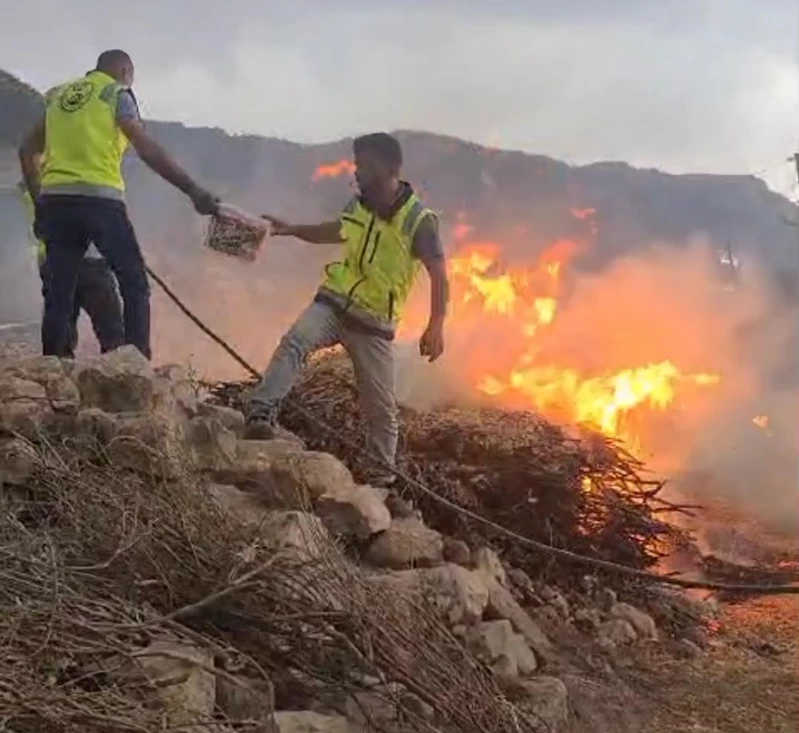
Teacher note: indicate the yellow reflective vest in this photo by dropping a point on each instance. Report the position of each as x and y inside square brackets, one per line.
[38, 245]
[379, 269]
[83, 143]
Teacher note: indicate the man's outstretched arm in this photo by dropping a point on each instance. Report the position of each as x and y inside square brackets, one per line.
[328, 232]
[159, 161]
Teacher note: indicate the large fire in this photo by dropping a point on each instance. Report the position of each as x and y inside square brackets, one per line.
[511, 306]
[526, 299]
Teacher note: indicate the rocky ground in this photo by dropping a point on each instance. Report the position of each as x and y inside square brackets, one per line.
[191, 547]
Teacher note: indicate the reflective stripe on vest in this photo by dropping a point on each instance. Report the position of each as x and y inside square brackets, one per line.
[84, 146]
[36, 243]
[379, 269]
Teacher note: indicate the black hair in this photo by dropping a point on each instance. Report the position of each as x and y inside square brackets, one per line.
[384, 146]
[113, 58]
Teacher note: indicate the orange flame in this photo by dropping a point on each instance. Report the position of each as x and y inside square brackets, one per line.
[761, 421]
[597, 401]
[520, 303]
[334, 170]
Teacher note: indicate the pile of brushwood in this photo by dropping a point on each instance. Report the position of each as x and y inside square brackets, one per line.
[99, 564]
[582, 493]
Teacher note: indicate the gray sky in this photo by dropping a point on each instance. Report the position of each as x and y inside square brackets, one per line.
[682, 85]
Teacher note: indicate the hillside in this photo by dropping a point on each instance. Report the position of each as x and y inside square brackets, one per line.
[527, 198]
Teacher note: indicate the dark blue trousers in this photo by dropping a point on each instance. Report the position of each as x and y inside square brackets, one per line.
[95, 294]
[67, 224]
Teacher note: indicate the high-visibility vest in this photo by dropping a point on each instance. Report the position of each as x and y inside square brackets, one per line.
[379, 269]
[83, 143]
[36, 243]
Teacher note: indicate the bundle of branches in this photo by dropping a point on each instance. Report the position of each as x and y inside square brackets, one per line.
[97, 562]
[582, 493]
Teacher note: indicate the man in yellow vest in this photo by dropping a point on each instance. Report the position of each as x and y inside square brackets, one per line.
[79, 197]
[388, 235]
[95, 292]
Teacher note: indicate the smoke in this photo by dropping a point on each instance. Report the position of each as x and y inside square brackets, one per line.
[20, 290]
[663, 303]
[735, 441]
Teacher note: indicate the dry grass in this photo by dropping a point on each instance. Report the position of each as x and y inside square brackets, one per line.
[745, 683]
[96, 562]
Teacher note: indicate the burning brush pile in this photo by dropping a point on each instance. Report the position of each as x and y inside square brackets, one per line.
[537, 419]
[586, 494]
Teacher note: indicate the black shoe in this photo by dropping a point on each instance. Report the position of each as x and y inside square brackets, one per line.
[381, 478]
[398, 507]
[259, 429]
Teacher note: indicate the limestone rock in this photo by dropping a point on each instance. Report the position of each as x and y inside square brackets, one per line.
[523, 588]
[150, 443]
[359, 511]
[302, 533]
[246, 700]
[176, 381]
[184, 678]
[457, 551]
[250, 470]
[306, 721]
[62, 393]
[615, 633]
[17, 461]
[214, 446]
[461, 594]
[232, 419]
[501, 604]
[643, 623]
[556, 600]
[17, 389]
[301, 477]
[606, 599]
[492, 640]
[548, 700]
[487, 562]
[675, 602]
[95, 426]
[37, 368]
[458, 593]
[245, 507]
[587, 619]
[380, 704]
[24, 406]
[505, 669]
[406, 543]
[118, 381]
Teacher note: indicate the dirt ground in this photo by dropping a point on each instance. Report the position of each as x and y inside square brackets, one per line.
[746, 682]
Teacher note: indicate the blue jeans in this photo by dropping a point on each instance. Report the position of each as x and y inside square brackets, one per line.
[67, 224]
[321, 326]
